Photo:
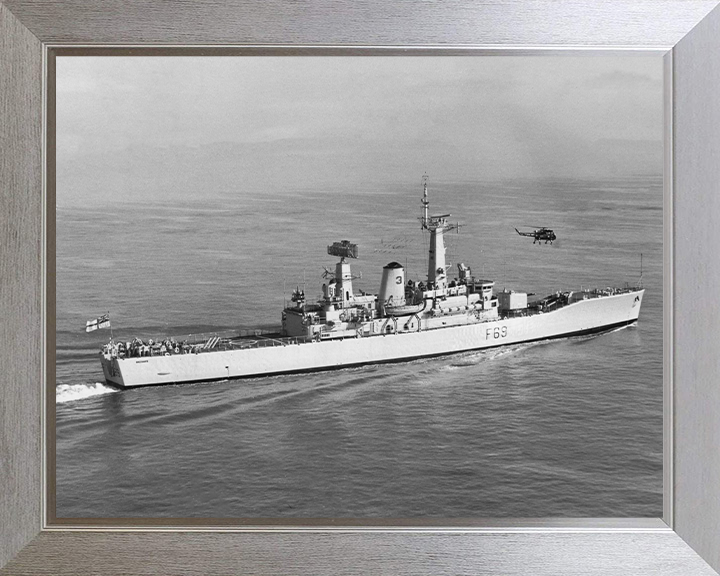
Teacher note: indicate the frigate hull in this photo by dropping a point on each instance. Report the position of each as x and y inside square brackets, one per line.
[581, 317]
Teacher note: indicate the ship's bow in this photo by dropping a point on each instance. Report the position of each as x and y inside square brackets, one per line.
[637, 298]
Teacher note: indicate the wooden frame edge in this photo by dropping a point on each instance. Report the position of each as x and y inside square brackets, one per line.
[20, 308]
[695, 181]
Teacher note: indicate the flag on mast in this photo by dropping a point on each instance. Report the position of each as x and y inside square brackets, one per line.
[100, 322]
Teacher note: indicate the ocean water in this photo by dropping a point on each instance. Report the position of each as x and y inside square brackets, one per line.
[566, 428]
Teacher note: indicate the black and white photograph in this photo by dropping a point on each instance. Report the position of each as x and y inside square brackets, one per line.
[359, 287]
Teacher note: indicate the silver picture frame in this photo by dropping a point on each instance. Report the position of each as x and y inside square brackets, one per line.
[686, 33]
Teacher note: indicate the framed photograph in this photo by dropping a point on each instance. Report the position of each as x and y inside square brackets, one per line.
[571, 295]
[448, 361]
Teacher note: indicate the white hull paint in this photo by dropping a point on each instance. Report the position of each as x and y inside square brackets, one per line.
[584, 316]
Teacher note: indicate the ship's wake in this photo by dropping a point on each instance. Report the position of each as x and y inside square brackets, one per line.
[477, 356]
[586, 337]
[73, 392]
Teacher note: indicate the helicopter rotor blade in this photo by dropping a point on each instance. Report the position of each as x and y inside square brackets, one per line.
[530, 234]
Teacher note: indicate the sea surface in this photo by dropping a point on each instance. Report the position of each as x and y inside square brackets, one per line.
[565, 428]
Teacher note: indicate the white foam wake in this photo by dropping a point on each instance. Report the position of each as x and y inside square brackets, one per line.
[72, 392]
[477, 356]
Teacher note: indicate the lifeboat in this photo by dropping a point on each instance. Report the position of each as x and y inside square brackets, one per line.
[404, 310]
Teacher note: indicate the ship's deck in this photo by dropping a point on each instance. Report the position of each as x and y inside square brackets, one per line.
[269, 339]
[248, 339]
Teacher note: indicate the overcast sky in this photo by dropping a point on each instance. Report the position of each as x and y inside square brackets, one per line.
[150, 127]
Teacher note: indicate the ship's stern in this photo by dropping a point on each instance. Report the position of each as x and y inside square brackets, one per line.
[111, 370]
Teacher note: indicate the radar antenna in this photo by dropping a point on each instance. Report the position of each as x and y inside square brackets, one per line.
[437, 222]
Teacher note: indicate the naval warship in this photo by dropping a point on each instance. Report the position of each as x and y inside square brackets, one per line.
[405, 320]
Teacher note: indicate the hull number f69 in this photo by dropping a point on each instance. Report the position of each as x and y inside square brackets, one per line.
[495, 333]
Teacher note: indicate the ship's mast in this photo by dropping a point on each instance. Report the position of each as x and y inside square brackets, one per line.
[437, 226]
[425, 203]
[343, 277]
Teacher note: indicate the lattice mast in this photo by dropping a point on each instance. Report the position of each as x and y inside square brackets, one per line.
[437, 226]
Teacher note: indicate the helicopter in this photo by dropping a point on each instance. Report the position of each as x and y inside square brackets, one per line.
[539, 235]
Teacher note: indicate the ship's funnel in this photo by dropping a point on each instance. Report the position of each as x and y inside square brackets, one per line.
[392, 286]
